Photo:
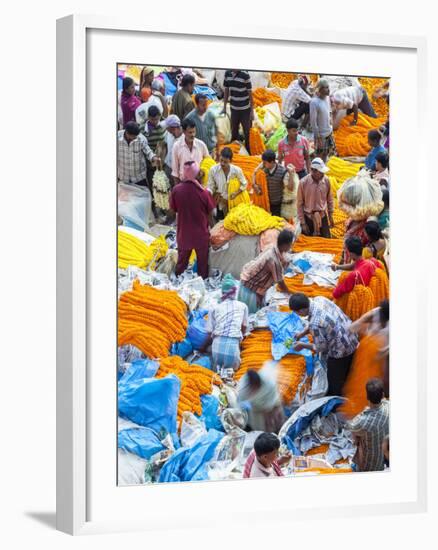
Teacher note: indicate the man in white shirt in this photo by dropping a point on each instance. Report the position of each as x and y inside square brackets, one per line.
[218, 179]
[297, 99]
[185, 149]
[350, 100]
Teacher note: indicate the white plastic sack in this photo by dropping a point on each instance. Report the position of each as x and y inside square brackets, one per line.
[131, 468]
[361, 196]
[319, 382]
[271, 120]
[135, 204]
[192, 429]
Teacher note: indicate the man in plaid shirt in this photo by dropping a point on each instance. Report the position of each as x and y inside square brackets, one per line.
[330, 329]
[370, 428]
[132, 151]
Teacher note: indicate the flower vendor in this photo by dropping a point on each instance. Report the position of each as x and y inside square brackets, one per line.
[263, 460]
[205, 122]
[257, 393]
[330, 329]
[294, 149]
[351, 99]
[182, 102]
[361, 269]
[374, 139]
[238, 92]
[370, 428]
[186, 149]
[129, 101]
[266, 270]
[194, 206]
[296, 100]
[320, 120]
[219, 177]
[315, 201]
[227, 323]
[277, 178]
[132, 153]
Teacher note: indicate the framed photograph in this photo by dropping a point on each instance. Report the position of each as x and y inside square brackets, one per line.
[226, 251]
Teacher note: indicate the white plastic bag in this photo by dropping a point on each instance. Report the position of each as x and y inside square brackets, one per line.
[361, 196]
[135, 205]
[131, 468]
[192, 429]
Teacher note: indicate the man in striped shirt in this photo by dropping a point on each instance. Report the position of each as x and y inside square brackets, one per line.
[238, 92]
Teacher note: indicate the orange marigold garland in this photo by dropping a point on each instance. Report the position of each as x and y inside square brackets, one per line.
[380, 104]
[319, 244]
[256, 142]
[256, 350]
[151, 319]
[379, 285]
[195, 381]
[282, 80]
[262, 97]
[352, 141]
[261, 200]
[366, 365]
[295, 284]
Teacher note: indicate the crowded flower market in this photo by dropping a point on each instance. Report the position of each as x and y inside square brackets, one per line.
[253, 274]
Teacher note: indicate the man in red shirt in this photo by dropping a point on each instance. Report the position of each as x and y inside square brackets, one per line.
[194, 206]
[361, 270]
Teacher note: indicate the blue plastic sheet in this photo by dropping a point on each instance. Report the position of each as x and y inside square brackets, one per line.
[203, 361]
[283, 326]
[303, 422]
[151, 402]
[197, 332]
[190, 463]
[182, 349]
[210, 412]
[206, 90]
[141, 368]
[303, 264]
[143, 442]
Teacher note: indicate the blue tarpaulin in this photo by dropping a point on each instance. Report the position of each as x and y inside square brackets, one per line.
[151, 402]
[189, 463]
[141, 368]
[210, 416]
[283, 326]
[143, 442]
[197, 332]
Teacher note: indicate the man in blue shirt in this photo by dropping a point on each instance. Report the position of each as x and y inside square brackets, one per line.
[374, 138]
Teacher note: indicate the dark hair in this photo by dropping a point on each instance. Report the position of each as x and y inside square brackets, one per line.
[374, 135]
[266, 443]
[268, 155]
[375, 390]
[385, 197]
[298, 301]
[384, 312]
[153, 111]
[285, 237]
[383, 158]
[187, 123]
[127, 81]
[187, 79]
[227, 153]
[254, 380]
[198, 98]
[372, 229]
[132, 128]
[291, 123]
[354, 245]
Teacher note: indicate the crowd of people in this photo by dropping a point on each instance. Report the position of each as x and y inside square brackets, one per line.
[176, 134]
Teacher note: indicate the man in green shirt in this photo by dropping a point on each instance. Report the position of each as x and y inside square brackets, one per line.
[182, 102]
[205, 122]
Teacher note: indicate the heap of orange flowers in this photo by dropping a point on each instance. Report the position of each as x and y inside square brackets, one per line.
[319, 244]
[282, 80]
[295, 284]
[262, 96]
[151, 319]
[195, 381]
[263, 199]
[340, 218]
[364, 298]
[256, 142]
[248, 165]
[256, 350]
[366, 365]
[380, 104]
[352, 141]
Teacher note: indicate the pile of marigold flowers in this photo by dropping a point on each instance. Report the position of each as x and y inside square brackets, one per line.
[261, 200]
[256, 350]
[319, 244]
[133, 251]
[380, 104]
[366, 365]
[262, 96]
[151, 319]
[340, 218]
[295, 284]
[195, 381]
[282, 80]
[352, 141]
[256, 143]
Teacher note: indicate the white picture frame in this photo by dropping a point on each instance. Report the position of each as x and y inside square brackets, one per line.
[77, 212]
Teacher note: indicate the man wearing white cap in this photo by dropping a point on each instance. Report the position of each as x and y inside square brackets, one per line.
[315, 201]
[174, 131]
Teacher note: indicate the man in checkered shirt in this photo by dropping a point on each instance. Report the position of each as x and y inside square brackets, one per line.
[332, 338]
[370, 428]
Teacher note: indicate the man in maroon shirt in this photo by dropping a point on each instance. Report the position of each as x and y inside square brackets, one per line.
[194, 206]
[361, 269]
